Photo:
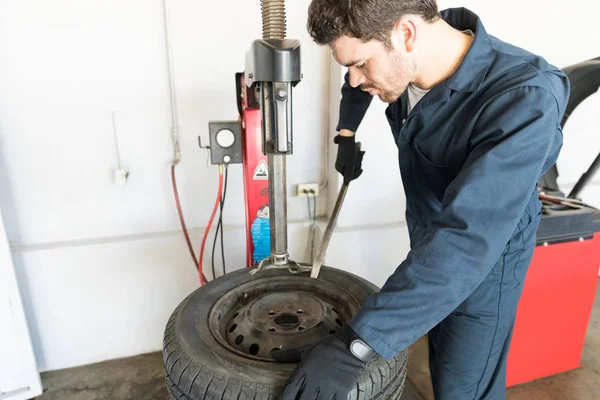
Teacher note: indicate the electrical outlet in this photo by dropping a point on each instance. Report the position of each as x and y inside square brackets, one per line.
[304, 190]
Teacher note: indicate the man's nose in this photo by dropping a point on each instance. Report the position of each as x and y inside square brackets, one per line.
[356, 78]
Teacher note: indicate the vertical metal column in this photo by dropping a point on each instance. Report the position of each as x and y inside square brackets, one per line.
[277, 127]
[277, 101]
[273, 63]
[278, 209]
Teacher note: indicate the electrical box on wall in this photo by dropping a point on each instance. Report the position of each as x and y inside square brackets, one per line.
[225, 142]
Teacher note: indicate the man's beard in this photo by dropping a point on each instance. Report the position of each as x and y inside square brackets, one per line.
[402, 71]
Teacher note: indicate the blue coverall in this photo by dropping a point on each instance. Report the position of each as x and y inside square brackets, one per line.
[471, 153]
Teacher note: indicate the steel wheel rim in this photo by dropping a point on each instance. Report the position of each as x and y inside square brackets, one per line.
[265, 315]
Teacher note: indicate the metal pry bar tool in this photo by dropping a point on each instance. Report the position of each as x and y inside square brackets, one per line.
[318, 260]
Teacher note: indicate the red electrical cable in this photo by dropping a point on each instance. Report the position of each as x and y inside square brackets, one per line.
[183, 227]
[217, 202]
[180, 212]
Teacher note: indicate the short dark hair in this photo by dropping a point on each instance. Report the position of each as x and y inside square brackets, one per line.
[366, 20]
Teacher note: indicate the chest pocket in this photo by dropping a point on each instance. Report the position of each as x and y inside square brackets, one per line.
[432, 179]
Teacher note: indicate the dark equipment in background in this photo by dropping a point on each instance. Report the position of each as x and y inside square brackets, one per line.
[585, 81]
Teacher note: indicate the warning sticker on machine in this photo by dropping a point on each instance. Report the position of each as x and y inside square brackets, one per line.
[261, 172]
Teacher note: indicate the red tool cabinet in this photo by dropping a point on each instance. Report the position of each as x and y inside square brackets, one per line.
[557, 299]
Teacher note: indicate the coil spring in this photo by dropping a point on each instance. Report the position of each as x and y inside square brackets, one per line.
[273, 19]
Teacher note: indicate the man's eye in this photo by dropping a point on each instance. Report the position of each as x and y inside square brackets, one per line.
[361, 65]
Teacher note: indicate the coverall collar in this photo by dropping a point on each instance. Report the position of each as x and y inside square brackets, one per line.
[470, 74]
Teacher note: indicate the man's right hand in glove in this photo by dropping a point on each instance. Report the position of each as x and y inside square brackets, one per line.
[349, 156]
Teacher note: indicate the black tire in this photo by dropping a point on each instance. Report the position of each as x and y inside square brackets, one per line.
[200, 366]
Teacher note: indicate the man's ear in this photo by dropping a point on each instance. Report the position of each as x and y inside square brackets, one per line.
[404, 35]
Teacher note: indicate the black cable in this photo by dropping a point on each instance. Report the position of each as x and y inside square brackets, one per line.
[212, 259]
[220, 229]
[221, 221]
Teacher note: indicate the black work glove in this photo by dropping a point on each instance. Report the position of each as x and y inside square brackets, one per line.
[349, 157]
[327, 370]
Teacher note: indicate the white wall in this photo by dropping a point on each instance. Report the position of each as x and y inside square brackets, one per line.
[102, 266]
[19, 377]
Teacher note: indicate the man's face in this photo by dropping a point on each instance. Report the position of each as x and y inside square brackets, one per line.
[375, 68]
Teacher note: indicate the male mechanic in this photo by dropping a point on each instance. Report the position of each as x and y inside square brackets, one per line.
[476, 122]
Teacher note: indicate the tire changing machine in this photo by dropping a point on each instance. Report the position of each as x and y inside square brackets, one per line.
[262, 138]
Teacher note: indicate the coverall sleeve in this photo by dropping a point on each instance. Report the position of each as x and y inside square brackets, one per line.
[515, 139]
[353, 105]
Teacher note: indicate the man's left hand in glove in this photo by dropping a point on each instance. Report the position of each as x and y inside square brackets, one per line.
[328, 370]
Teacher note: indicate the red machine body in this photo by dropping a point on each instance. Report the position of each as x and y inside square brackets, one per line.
[255, 167]
[554, 310]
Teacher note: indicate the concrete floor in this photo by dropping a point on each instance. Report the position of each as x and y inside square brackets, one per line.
[142, 377]
[139, 377]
